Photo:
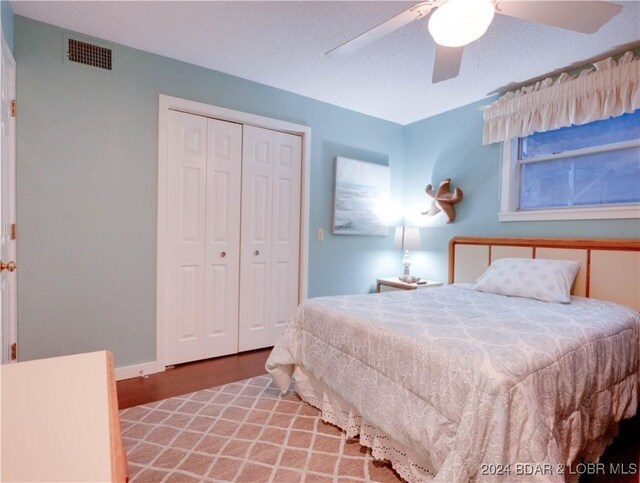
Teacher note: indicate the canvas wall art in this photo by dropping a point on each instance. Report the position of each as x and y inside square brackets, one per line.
[361, 198]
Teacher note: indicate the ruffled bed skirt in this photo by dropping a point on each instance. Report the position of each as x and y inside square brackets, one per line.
[415, 468]
[338, 412]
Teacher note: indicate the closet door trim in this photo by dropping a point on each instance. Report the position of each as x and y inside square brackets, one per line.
[167, 104]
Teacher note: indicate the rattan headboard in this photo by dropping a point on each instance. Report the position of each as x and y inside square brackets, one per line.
[609, 269]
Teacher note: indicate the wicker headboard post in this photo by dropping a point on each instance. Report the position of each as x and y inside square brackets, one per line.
[609, 269]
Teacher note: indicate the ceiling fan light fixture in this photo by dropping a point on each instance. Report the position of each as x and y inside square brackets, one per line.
[460, 22]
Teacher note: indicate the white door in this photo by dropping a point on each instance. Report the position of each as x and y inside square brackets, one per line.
[255, 261]
[8, 282]
[186, 202]
[270, 234]
[285, 251]
[203, 237]
[222, 258]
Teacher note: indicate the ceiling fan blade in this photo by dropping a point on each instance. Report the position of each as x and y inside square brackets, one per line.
[579, 15]
[447, 65]
[385, 28]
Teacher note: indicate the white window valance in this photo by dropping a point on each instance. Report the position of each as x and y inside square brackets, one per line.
[607, 89]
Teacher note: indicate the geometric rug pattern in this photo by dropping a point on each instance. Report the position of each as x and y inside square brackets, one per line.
[245, 431]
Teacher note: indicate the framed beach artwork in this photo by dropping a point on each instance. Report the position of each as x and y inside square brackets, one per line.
[361, 198]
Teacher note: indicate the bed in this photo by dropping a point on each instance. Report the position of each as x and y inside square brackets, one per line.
[453, 384]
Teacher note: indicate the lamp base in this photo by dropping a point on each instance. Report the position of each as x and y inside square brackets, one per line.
[409, 279]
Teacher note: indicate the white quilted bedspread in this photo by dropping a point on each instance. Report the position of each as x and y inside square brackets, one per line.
[467, 379]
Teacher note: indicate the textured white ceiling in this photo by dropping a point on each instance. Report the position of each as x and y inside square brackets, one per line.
[282, 44]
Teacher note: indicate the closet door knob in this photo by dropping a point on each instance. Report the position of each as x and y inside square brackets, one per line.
[223, 254]
[257, 252]
[11, 266]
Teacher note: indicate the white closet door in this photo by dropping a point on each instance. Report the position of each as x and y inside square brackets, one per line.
[185, 237]
[222, 258]
[285, 254]
[255, 262]
[269, 265]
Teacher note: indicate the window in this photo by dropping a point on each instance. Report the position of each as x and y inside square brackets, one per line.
[577, 172]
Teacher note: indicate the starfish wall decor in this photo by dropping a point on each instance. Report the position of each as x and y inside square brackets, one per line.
[443, 200]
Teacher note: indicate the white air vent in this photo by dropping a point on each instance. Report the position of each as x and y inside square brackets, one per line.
[89, 54]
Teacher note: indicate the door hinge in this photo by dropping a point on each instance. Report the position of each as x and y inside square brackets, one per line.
[12, 235]
[12, 108]
[14, 351]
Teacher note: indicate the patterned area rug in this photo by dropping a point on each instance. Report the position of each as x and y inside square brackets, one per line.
[244, 432]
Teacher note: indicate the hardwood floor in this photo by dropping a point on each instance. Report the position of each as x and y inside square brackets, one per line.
[190, 377]
[195, 376]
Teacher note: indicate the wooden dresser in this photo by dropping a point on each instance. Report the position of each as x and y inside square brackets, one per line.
[59, 420]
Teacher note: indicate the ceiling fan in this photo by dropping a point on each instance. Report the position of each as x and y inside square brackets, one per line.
[456, 23]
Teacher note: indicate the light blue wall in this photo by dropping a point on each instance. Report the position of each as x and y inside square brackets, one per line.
[449, 145]
[87, 188]
[7, 19]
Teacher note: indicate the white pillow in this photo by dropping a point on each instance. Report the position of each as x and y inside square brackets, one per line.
[535, 278]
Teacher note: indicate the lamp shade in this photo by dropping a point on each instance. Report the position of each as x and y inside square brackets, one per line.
[407, 238]
[460, 22]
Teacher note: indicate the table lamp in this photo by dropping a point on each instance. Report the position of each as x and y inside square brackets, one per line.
[407, 238]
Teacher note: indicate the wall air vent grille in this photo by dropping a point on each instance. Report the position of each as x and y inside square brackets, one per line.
[89, 54]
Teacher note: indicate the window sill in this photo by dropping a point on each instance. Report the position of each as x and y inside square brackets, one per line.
[591, 213]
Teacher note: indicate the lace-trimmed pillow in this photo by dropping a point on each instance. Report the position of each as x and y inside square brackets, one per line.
[546, 280]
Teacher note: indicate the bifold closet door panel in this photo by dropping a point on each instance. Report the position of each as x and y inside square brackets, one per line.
[203, 238]
[256, 226]
[222, 254]
[187, 154]
[285, 258]
[269, 265]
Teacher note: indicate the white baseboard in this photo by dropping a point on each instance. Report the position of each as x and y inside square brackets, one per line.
[138, 370]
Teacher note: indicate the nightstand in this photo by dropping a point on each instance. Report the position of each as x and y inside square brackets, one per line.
[394, 283]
